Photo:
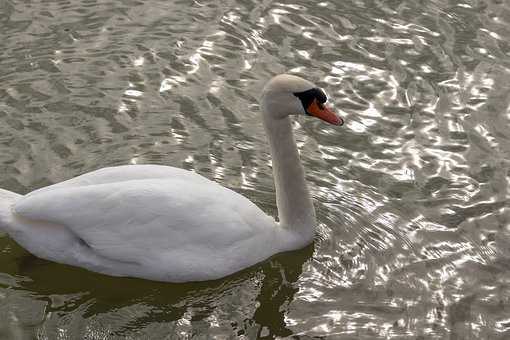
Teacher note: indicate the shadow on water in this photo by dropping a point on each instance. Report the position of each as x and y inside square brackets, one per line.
[95, 296]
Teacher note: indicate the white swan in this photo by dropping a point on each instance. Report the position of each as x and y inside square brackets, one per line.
[168, 224]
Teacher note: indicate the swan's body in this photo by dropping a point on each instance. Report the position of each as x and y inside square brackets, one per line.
[156, 222]
[164, 223]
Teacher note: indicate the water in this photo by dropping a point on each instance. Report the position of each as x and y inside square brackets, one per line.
[412, 194]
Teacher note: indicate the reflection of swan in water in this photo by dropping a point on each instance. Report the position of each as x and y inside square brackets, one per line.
[277, 292]
[64, 293]
[168, 224]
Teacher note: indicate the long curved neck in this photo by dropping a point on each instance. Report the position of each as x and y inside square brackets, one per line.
[295, 208]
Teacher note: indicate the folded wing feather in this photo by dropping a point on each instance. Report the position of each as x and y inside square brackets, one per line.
[137, 220]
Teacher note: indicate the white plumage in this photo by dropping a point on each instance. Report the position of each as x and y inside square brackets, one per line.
[164, 223]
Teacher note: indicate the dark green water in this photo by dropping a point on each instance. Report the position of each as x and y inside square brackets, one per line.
[412, 194]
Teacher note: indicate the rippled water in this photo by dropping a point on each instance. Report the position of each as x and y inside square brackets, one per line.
[412, 194]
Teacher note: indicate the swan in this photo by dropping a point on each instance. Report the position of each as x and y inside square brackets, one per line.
[168, 224]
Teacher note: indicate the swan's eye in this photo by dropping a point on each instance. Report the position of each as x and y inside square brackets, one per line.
[321, 96]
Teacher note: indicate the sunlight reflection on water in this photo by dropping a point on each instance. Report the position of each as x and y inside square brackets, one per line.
[411, 193]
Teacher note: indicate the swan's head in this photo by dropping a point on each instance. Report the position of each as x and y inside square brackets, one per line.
[286, 95]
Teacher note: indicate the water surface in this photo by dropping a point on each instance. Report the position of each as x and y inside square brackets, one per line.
[412, 194]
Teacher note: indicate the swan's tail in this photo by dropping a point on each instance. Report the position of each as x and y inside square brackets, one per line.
[7, 198]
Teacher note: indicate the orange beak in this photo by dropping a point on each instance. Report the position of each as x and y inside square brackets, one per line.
[322, 112]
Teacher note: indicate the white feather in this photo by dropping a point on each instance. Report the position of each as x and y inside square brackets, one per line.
[168, 224]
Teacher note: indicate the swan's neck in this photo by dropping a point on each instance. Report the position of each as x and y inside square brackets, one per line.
[295, 208]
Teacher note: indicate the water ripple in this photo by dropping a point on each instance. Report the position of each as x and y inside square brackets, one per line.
[412, 194]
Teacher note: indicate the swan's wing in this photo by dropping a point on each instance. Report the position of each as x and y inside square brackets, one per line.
[125, 173]
[142, 219]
